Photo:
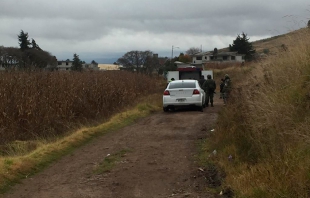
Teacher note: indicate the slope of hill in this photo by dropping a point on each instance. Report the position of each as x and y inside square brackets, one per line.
[265, 126]
[277, 43]
[274, 44]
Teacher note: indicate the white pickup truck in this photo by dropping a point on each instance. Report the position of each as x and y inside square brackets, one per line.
[188, 73]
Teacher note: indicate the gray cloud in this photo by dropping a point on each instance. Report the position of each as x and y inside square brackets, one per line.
[114, 26]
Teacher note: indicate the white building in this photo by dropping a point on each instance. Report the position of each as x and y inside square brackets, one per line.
[220, 57]
[105, 67]
[182, 65]
[66, 66]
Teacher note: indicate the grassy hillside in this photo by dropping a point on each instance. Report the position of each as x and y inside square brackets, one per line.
[276, 43]
[265, 128]
[273, 45]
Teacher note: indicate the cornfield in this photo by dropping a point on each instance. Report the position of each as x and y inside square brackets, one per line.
[39, 105]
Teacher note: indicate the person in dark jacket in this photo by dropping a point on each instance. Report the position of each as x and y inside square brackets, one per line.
[209, 87]
[201, 80]
[221, 88]
[226, 88]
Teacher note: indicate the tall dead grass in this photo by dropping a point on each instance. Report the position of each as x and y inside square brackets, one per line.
[222, 65]
[266, 126]
[41, 105]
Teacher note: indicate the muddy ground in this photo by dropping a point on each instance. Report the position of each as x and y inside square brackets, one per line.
[156, 159]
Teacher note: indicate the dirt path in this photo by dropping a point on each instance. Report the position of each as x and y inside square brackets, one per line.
[158, 162]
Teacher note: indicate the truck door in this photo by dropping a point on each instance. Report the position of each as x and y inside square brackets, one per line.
[190, 75]
[172, 74]
[207, 72]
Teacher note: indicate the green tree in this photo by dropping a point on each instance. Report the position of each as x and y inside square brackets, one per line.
[77, 63]
[35, 45]
[185, 58]
[169, 66]
[135, 60]
[31, 56]
[39, 59]
[243, 46]
[94, 62]
[24, 42]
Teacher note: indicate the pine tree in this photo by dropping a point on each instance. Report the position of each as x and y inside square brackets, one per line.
[243, 46]
[35, 45]
[24, 43]
[77, 63]
[94, 62]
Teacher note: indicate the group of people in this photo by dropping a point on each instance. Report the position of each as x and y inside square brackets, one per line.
[209, 87]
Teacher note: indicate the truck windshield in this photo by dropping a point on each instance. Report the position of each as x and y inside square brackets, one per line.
[178, 85]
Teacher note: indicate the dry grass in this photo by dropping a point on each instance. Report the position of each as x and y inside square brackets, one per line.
[45, 115]
[275, 44]
[266, 126]
[14, 168]
[222, 66]
[42, 105]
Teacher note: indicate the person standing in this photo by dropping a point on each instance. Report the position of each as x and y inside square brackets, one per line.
[172, 79]
[202, 80]
[221, 87]
[226, 88]
[209, 86]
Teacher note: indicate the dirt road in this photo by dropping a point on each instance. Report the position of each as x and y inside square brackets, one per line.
[157, 161]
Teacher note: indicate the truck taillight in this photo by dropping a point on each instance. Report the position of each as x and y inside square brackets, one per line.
[166, 93]
[196, 91]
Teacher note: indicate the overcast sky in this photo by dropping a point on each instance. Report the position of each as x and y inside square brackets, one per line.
[109, 28]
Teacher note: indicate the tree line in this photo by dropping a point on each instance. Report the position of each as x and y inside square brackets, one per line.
[28, 56]
[147, 62]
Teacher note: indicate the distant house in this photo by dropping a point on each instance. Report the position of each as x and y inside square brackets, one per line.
[220, 57]
[66, 66]
[183, 65]
[90, 66]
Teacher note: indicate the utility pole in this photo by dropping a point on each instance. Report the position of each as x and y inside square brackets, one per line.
[172, 54]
